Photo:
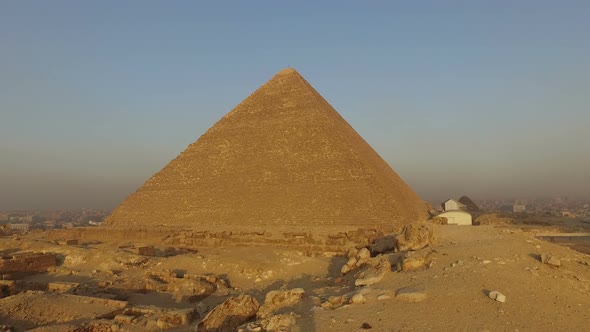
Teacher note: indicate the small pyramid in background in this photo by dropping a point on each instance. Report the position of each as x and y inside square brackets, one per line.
[470, 205]
[282, 158]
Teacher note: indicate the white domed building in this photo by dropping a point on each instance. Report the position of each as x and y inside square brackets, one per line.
[457, 217]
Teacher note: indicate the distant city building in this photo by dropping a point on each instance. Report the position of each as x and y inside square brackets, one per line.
[20, 218]
[518, 208]
[67, 225]
[566, 213]
[49, 223]
[19, 227]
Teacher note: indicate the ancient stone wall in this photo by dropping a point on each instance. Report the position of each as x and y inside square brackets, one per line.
[27, 262]
[307, 239]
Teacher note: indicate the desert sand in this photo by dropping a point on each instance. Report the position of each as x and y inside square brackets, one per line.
[449, 292]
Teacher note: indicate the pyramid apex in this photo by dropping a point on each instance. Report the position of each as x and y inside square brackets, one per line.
[288, 70]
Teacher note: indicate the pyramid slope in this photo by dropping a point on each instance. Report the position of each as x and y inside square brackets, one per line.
[469, 203]
[282, 157]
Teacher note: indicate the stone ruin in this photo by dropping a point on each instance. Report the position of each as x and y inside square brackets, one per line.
[18, 264]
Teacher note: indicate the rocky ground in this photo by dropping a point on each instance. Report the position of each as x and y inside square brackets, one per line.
[475, 278]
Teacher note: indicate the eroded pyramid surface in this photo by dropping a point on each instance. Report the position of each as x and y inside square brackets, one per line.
[283, 157]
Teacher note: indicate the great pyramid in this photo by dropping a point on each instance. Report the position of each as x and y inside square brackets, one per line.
[281, 158]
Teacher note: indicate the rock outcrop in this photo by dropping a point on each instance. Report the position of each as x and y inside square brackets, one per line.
[373, 271]
[230, 314]
[415, 236]
[550, 259]
[276, 300]
[409, 294]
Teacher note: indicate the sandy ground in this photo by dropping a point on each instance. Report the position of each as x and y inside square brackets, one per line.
[467, 263]
[539, 297]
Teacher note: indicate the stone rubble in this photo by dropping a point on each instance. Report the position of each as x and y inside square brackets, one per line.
[415, 236]
[383, 245]
[550, 259]
[279, 299]
[372, 272]
[411, 295]
[495, 295]
[230, 314]
[273, 323]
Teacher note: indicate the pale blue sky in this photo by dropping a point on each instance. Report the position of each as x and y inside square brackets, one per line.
[485, 98]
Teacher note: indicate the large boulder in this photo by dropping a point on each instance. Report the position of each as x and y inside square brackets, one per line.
[383, 245]
[410, 295]
[280, 323]
[230, 314]
[276, 300]
[415, 236]
[175, 318]
[413, 263]
[273, 323]
[550, 259]
[191, 290]
[373, 271]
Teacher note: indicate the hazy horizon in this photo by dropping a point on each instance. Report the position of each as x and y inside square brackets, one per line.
[484, 99]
